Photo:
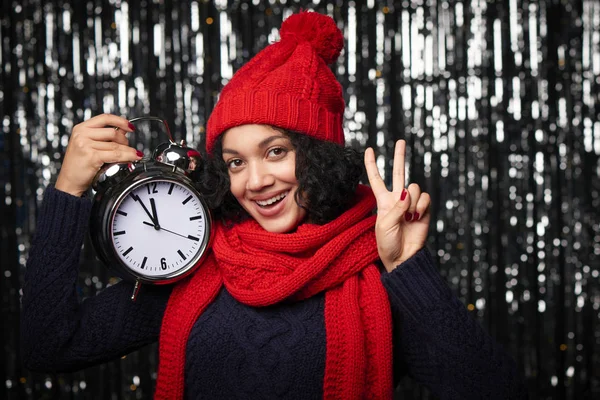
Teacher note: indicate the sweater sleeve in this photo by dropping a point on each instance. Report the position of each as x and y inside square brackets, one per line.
[442, 346]
[59, 332]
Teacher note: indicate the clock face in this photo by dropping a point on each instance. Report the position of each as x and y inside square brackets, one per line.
[159, 229]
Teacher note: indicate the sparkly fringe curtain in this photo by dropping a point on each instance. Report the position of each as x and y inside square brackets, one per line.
[498, 100]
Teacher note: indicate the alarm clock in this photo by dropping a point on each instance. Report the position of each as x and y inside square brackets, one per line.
[148, 222]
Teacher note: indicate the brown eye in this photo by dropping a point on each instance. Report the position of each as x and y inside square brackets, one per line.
[277, 152]
[235, 163]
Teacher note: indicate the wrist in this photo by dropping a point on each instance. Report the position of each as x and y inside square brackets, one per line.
[65, 187]
[391, 264]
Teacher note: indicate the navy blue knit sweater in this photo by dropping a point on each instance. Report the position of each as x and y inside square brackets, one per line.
[236, 351]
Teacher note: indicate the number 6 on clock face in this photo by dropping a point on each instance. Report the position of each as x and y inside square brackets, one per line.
[159, 228]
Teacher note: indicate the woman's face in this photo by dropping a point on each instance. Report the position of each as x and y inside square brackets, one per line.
[262, 171]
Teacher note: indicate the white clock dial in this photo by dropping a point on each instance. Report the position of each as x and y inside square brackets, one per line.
[159, 229]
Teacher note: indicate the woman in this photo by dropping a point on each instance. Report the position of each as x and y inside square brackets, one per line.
[305, 294]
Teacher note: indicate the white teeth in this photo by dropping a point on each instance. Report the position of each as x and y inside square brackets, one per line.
[272, 200]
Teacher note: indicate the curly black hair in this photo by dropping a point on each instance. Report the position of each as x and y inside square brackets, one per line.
[327, 175]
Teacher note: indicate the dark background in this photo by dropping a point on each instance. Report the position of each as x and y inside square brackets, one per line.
[498, 101]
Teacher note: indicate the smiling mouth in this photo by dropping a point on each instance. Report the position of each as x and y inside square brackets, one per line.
[272, 201]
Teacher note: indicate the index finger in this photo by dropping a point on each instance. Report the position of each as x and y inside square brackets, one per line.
[103, 120]
[377, 184]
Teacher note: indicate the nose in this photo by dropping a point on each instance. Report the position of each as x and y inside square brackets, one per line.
[259, 176]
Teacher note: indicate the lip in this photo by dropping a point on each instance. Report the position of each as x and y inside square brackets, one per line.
[271, 211]
[270, 196]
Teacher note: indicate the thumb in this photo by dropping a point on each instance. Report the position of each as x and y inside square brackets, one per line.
[395, 215]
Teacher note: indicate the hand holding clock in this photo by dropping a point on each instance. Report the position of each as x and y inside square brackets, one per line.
[121, 210]
[94, 142]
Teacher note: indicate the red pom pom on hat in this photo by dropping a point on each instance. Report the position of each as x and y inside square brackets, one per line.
[288, 84]
[317, 29]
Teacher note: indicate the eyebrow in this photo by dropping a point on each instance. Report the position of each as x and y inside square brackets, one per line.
[264, 143]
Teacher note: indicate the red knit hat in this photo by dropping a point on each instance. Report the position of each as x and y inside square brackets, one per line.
[288, 84]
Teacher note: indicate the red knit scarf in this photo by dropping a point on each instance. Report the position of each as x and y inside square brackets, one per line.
[260, 268]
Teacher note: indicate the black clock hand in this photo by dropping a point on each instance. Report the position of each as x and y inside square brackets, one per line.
[174, 233]
[155, 219]
[137, 198]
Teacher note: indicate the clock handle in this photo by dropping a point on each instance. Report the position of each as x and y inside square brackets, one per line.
[136, 290]
[150, 118]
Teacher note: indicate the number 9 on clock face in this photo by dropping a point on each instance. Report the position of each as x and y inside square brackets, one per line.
[160, 229]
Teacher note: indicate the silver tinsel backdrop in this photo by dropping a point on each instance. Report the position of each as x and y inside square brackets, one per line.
[498, 100]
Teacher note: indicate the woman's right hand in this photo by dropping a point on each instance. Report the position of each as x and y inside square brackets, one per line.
[92, 144]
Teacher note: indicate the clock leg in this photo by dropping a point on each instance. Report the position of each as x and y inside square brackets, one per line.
[136, 290]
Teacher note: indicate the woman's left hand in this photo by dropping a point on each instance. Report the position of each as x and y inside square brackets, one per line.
[402, 214]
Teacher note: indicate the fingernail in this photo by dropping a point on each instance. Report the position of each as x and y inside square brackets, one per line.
[130, 125]
[408, 216]
[416, 216]
[403, 196]
[139, 153]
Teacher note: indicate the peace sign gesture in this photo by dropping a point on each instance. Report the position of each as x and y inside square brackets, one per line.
[402, 214]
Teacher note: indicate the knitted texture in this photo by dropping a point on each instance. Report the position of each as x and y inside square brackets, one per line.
[288, 84]
[260, 268]
[437, 342]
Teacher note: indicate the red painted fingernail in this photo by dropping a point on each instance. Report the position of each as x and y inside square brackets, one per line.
[408, 216]
[403, 196]
[130, 125]
[139, 153]
[416, 216]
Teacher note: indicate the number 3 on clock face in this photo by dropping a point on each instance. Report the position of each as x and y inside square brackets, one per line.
[159, 229]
